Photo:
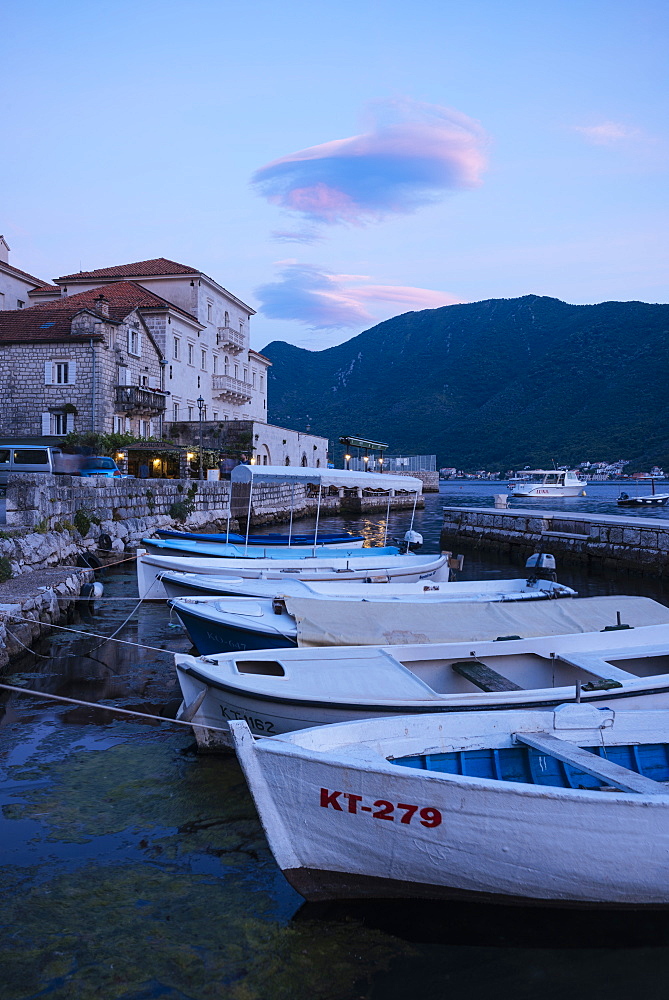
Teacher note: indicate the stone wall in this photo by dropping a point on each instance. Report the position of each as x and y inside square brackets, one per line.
[635, 544]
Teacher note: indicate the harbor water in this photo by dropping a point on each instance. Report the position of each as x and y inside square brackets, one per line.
[132, 868]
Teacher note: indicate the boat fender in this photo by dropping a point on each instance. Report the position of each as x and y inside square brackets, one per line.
[91, 591]
[88, 560]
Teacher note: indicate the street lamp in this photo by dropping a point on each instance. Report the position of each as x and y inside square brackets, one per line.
[200, 406]
[347, 459]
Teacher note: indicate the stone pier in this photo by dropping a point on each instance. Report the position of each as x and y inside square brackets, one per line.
[636, 544]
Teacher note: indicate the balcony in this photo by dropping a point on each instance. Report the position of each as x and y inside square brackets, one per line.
[232, 390]
[133, 399]
[230, 340]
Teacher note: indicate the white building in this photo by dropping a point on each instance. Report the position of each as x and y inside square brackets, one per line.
[15, 286]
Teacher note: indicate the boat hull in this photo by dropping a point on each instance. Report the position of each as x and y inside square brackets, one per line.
[268, 716]
[370, 828]
[548, 491]
[210, 636]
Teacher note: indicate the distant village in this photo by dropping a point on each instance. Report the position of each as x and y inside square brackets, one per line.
[591, 471]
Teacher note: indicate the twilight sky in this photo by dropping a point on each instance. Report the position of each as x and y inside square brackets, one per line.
[335, 164]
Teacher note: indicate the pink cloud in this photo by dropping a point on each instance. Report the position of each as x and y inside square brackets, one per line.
[607, 133]
[413, 156]
[323, 300]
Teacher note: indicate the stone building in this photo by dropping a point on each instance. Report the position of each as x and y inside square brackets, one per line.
[86, 363]
[149, 348]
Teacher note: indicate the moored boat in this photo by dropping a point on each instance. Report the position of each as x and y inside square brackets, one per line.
[410, 568]
[548, 483]
[565, 807]
[282, 690]
[279, 619]
[341, 539]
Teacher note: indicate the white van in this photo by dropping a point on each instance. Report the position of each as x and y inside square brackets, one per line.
[29, 458]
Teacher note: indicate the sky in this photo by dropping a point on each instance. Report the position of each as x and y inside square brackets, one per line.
[336, 164]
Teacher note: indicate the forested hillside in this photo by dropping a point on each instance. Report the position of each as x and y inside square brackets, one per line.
[503, 383]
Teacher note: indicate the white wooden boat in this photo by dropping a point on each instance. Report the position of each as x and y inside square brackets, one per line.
[221, 624]
[195, 584]
[566, 807]
[282, 690]
[548, 483]
[401, 568]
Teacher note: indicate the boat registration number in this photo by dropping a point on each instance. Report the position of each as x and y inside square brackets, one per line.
[401, 812]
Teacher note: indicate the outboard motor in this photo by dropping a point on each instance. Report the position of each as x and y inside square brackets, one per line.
[413, 541]
[542, 565]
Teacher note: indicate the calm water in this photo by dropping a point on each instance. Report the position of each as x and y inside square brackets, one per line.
[134, 869]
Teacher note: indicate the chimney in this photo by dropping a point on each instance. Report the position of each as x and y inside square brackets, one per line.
[102, 305]
[4, 250]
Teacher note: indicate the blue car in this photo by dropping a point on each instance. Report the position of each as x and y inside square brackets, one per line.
[100, 466]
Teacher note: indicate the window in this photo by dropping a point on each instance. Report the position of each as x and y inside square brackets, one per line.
[203, 360]
[176, 345]
[226, 369]
[34, 456]
[170, 371]
[59, 423]
[236, 371]
[209, 311]
[175, 411]
[246, 374]
[227, 318]
[241, 326]
[190, 354]
[20, 303]
[198, 381]
[134, 343]
[118, 425]
[254, 379]
[190, 412]
[214, 363]
[60, 372]
[146, 428]
[262, 382]
[215, 414]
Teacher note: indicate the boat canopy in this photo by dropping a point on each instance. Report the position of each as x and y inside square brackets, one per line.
[324, 477]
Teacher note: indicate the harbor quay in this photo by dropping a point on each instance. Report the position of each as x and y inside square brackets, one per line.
[59, 528]
[604, 541]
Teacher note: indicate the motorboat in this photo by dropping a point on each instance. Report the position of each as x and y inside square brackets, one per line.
[609, 650]
[220, 624]
[340, 539]
[651, 499]
[567, 806]
[399, 568]
[548, 483]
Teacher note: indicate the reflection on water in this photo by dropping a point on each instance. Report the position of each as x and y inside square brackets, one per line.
[133, 868]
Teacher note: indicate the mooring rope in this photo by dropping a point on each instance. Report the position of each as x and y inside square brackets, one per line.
[109, 708]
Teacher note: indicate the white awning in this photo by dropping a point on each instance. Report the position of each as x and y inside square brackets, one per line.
[324, 477]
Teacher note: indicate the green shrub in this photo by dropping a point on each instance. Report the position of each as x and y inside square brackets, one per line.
[5, 569]
[82, 521]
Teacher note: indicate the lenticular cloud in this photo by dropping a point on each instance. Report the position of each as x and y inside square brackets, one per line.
[414, 155]
[323, 300]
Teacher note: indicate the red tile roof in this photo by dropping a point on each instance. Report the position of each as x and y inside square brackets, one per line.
[157, 267]
[52, 320]
[37, 324]
[123, 296]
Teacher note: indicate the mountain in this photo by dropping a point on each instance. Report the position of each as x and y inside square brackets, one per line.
[499, 384]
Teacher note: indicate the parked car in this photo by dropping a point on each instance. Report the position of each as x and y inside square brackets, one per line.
[28, 458]
[100, 465]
